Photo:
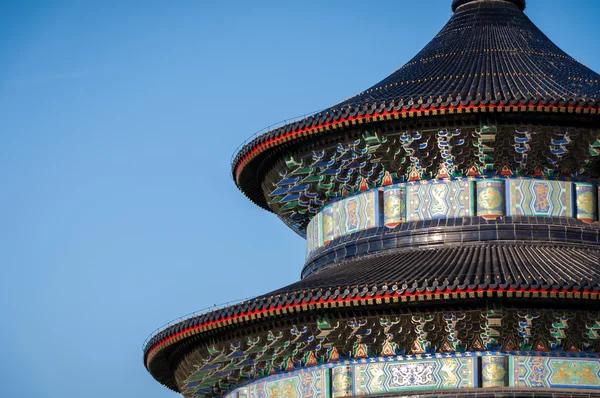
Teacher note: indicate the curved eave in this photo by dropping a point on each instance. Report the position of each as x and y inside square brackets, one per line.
[335, 121]
[465, 273]
[368, 301]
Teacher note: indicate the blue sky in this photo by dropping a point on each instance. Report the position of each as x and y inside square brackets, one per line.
[117, 124]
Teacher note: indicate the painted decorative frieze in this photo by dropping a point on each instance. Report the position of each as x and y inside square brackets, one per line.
[356, 213]
[327, 224]
[310, 383]
[341, 381]
[586, 202]
[529, 197]
[313, 234]
[490, 198]
[543, 372]
[430, 201]
[394, 206]
[493, 371]
[427, 374]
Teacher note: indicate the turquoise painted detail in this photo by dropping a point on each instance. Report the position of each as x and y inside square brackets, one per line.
[356, 213]
[421, 372]
[586, 202]
[531, 197]
[439, 199]
[490, 198]
[540, 372]
[428, 374]
[444, 198]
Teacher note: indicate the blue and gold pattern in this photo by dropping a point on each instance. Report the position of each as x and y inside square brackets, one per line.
[327, 224]
[428, 374]
[426, 200]
[493, 371]
[356, 213]
[394, 206]
[585, 198]
[555, 372]
[430, 201]
[482, 369]
[490, 198]
[530, 197]
[302, 384]
[341, 381]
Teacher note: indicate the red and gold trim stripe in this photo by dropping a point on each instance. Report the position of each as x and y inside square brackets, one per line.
[402, 114]
[364, 301]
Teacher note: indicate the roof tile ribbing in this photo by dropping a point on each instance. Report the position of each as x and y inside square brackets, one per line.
[422, 271]
[489, 53]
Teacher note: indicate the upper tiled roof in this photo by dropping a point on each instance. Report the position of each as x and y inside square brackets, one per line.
[488, 51]
[488, 55]
[458, 3]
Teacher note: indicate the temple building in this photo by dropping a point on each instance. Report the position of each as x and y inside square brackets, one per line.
[452, 237]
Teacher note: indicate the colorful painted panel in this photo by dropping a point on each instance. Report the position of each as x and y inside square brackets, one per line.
[300, 384]
[356, 213]
[490, 198]
[430, 201]
[585, 199]
[530, 197]
[341, 381]
[493, 371]
[394, 206]
[555, 372]
[313, 240]
[426, 374]
[327, 224]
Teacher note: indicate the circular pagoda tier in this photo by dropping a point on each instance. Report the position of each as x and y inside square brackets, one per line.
[520, 296]
[452, 235]
[489, 77]
[305, 338]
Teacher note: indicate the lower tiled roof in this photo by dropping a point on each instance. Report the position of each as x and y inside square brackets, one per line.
[551, 271]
